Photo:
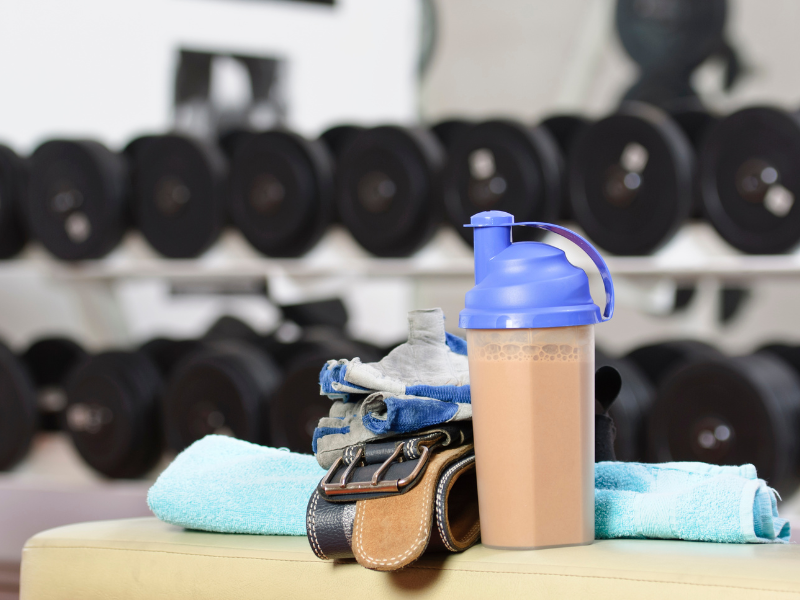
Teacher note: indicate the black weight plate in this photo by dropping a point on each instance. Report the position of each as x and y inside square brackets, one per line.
[328, 313]
[224, 388]
[676, 34]
[565, 130]
[13, 193]
[281, 192]
[631, 408]
[388, 189]
[789, 354]
[657, 360]
[731, 412]
[298, 406]
[229, 141]
[337, 138]
[49, 362]
[19, 417]
[631, 180]
[749, 180]
[112, 413]
[696, 124]
[77, 199]
[166, 353]
[230, 328]
[179, 194]
[447, 131]
[503, 165]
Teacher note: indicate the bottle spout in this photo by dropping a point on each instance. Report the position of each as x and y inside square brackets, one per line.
[491, 232]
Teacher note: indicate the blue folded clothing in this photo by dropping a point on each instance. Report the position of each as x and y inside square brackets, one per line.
[686, 501]
[230, 486]
[421, 383]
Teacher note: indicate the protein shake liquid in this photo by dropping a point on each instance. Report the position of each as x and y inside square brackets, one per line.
[530, 341]
[542, 473]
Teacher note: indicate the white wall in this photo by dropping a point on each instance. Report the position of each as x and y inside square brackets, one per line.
[104, 69]
[528, 59]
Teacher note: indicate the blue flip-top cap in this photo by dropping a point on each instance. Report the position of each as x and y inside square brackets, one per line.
[529, 284]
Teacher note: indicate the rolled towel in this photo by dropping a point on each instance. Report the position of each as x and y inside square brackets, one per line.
[686, 501]
[230, 486]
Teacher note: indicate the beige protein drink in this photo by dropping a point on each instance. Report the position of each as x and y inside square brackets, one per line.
[530, 341]
[534, 387]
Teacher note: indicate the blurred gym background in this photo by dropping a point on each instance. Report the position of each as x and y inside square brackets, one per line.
[201, 201]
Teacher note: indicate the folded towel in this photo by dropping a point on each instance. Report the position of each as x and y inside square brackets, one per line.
[226, 485]
[230, 486]
[421, 383]
[686, 501]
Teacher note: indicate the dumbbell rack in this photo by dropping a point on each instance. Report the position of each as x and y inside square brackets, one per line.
[695, 255]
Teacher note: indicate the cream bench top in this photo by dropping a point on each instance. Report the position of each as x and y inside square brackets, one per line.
[147, 559]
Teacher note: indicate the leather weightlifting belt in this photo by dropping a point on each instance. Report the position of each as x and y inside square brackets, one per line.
[386, 503]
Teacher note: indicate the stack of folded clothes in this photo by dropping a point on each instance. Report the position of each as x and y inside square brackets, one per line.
[421, 383]
[400, 477]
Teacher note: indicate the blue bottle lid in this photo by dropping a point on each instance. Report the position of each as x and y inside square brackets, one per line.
[528, 285]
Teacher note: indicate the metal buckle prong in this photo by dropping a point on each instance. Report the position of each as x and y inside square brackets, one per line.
[332, 471]
[376, 477]
[423, 459]
[351, 467]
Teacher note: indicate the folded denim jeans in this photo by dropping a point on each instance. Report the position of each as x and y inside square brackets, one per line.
[421, 383]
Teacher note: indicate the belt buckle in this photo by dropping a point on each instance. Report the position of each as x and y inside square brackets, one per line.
[344, 486]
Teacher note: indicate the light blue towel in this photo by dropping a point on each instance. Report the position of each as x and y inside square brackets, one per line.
[230, 486]
[687, 501]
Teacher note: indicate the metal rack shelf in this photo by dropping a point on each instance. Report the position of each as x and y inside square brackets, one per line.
[695, 253]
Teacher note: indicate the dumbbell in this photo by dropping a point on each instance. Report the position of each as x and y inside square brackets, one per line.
[77, 206]
[13, 196]
[167, 353]
[297, 405]
[697, 124]
[281, 191]
[338, 137]
[389, 189]
[503, 165]
[448, 131]
[178, 193]
[731, 411]
[657, 360]
[749, 181]
[565, 129]
[19, 414]
[630, 409]
[32, 396]
[113, 415]
[49, 362]
[631, 180]
[225, 386]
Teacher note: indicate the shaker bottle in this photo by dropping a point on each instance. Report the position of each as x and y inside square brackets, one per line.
[530, 342]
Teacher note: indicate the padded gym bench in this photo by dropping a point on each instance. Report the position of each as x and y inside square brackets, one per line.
[147, 559]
